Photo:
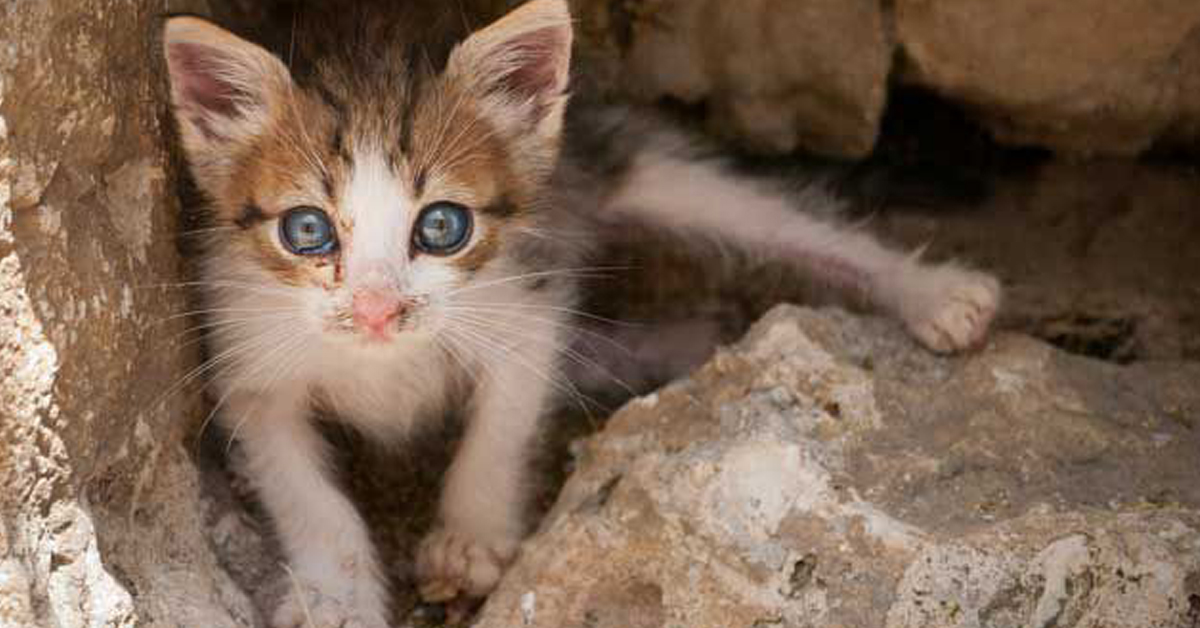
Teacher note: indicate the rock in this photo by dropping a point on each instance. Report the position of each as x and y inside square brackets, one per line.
[1097, 77]
[101, 520]
[775, 76]
[827, 472]
[1094, 77]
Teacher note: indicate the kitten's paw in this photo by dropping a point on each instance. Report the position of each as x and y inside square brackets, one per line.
[949, 309]
[451, 563]
[307, 607]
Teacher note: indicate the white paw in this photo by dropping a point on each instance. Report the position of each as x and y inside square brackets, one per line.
[451, 563]
[305, 606]
[949, 309]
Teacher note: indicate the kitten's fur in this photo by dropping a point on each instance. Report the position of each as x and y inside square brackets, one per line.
[372, 132]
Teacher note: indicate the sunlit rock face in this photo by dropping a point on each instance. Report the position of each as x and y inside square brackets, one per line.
[826, 471]
[101, 523]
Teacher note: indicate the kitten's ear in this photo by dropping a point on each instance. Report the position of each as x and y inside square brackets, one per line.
[521, 65]
[223, 88]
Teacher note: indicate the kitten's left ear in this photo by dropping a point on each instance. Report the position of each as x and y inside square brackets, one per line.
[521, 66]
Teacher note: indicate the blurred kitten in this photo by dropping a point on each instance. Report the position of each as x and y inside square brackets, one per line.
[401, 224]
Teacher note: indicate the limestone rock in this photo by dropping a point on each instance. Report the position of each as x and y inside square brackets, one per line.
[1087, 77]
[827, 472]
[775, 76]
[101, 522]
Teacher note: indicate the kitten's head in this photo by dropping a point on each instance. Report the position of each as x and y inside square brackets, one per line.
[364, 200]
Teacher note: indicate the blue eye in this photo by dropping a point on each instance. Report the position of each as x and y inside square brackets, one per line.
[307, 231]
[442, 228]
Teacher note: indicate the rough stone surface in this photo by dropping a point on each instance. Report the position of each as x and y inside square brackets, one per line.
[1095, 77]
[827, 472]
[1086, 77]
[101, 521]
[775, 76]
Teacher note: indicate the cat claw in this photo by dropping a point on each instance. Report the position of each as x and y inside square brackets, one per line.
[452, 564]
[959, 312]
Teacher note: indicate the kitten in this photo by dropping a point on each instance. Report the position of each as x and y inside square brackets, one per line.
[400, 225]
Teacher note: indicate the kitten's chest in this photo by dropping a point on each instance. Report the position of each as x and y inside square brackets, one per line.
[385, 394]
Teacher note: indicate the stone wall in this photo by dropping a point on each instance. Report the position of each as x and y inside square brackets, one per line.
[100, 518]
[1093, 77]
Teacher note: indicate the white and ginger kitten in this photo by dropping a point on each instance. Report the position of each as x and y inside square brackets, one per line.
[397, 228]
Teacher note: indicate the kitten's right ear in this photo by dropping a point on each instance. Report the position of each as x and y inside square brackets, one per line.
[520, 66]
[223, 88]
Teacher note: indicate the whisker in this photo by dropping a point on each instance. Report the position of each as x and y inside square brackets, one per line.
[195, 232]
[265, 361]
[225, 284]
[496, 306]
[236, 350]
[560, 383]
[448, 347]
[223, 324]
[578, 331]
[211, 311]
[583, 272]
[280, 374]
[561, 348]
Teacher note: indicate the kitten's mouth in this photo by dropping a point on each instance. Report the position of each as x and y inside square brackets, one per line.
[376, 337]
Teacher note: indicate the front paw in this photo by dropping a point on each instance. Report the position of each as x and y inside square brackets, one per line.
[453, 563]
[307, 606]
[949, 309]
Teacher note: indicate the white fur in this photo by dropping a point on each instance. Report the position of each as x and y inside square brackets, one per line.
[334, 569]
[380, 208]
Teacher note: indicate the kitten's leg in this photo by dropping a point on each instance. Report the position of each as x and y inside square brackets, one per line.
[946, 307]
[333, 578]
[480, 517]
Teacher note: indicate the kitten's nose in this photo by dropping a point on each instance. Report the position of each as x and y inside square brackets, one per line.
[374, 311]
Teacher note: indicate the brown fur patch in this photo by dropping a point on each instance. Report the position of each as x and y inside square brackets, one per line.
[294, 163]
[456, 145]
[480, 253]
[288, 269]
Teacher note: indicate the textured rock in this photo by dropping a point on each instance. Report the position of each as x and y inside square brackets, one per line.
[826, 472]
[101, 522]
[775, 76]
[1095, 77]
[1087, 77]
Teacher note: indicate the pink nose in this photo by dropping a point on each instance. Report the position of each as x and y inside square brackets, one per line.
[375, 311]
